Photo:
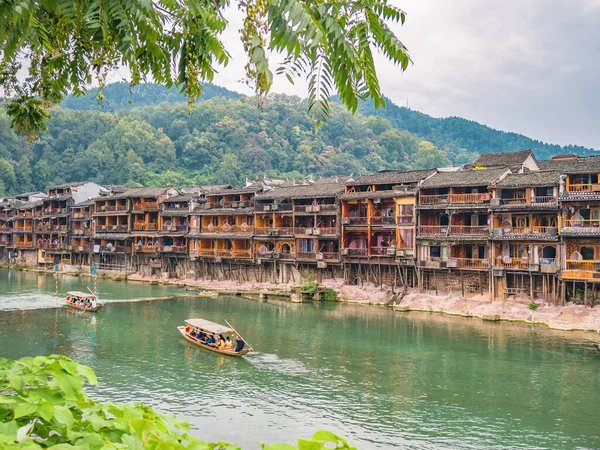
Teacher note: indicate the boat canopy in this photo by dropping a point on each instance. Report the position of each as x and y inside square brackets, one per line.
[81, 294]
[209, 326]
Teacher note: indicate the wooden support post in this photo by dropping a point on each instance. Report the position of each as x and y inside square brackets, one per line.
[585, 293]
[531, 287]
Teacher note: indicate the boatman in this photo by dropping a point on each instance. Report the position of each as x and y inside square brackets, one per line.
[239, 343]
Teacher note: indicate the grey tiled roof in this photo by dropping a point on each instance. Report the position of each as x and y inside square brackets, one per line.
[579, 164]
[393, 177]
[138, 192]
[112, 236]
[197, 235]
[175, 213]
[503, 159]
[31, 205]
[71, 184]
[462, 178]
[537, 178]
[221, 211]
[371, 195]
[315, 190]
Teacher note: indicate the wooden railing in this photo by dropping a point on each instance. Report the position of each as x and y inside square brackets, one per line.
[355, 220]
[173, 249]
[455, 199]
[328, 231]
[24, 228]
[580, 188]
[141, 206]
[146, 248]
[356, 251]
[175, 228]
[511, 263]
[80, 231]
[145, 226]
[274, 231]
[244, 229]
[583, 223]
[513, 201]
[544, 199]
[383, 220]
[472, 263]
[82, 248]
[583, 265]
[81, 216]
[306, 255]
[383, 251]
[327, 256]
[24, 244]
[116, 249]
[406, 219]
[241, 253]
[472, 230]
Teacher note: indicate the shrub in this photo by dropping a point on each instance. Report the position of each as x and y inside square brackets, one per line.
[533, 306]
[42, 404]
[330, 295]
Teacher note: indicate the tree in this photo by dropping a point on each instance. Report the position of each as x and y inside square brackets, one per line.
[429, 157]
[69, 43]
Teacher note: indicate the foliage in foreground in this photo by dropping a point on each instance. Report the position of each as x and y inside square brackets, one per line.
[42, 404]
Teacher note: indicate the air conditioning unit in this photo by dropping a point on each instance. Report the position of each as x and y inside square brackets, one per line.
[317, 231]
[274, 232]
[319, 256]
[321, 264]
[391, 251]
[241, 204]
[309, 209]
[345, 220]
[235, 204]
[495, 202]
[344, 251]
[498, 272]
[316, 208]
[274, 207]
[497, 231]
[309, 231]
[218, 259]
[114, 227]
[410, 252]
[377, 200]
[597, 267]
[259, 262]
[452, 263]
[267, 208]
[534, 267]
[400, 188]
[443, 264]
[400, 253]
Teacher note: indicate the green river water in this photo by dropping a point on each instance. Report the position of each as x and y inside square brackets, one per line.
[383, 380]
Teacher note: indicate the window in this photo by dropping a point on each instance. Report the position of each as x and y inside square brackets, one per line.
[587, 253]
[435, 251]
[305, 245]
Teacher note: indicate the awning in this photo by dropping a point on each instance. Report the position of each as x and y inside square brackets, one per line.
[209, 326]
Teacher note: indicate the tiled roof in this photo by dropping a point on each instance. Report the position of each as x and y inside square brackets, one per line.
[579, 164]
[393, 177]
[57, 198]
[537, 178]
[372, 195]
[502, 159]
[175, 213]
[83, 204]
[179, 198]
[194, 234]
[315, 190]
[66, 185]
[31, 205]
[222, 211]
[461, 178]
[112, 236]
[140, 192]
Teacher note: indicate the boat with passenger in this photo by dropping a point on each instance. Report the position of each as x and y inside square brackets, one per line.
[214, 337]
[84, 301]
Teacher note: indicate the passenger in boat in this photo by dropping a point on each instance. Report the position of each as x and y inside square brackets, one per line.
[200, 335]
[211, 340]
[228, 344]
[187, 329]
[239, 343]
[220, 342]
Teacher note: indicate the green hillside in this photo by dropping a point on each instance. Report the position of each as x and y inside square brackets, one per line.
[154, 140]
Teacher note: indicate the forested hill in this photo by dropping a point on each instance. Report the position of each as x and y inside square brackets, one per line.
[461, 137]
[156, 141]
[119, 96]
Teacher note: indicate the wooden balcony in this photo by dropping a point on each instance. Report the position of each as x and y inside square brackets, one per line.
[138, 248]
[578, 269]
[531, 230]
[316, 231]
[145, 226]
[383, 251]
[274, 231]
[382, 220]
[79, 215]
[145, 206]
[511, 263]
[355, 220]
[241, 253]
[355, 251]
[581, 227]
[24, 244]
[173, 249]
[583, 188]
[226, 228]
[116, 249]
[80, 231]
[82, 248]
[175, 228]
[456, 199]
[24, 228]
[453, 230]
[469, 263]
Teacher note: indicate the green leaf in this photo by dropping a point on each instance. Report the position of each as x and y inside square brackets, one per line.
[24, 409]
[326, 436]
[63, 416]
[303, 444]
[88, 373]
[46, 411]
[280, 447]
[68, 365]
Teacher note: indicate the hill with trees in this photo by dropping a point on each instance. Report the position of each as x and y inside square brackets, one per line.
[155, 140]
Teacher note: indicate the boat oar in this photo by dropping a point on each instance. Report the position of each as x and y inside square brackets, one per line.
[97, 299]
[249, 346]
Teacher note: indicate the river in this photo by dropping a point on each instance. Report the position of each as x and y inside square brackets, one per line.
[383, 380]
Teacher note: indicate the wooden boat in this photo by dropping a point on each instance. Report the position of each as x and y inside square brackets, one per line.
[74, 296]
[211, 329]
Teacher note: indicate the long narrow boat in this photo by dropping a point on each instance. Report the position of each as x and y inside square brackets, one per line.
[210, 329]
[83, 301]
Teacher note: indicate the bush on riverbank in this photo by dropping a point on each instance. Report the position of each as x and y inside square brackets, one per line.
[42, 404]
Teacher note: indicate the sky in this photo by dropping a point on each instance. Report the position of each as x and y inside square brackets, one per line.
[528, 66]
